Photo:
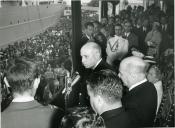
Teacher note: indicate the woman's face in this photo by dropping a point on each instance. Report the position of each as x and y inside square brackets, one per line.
[151, 76]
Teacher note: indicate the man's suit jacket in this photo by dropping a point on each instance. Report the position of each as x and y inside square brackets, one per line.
[165, 43]
[166, 29]
[101, 66]
[31, 114]
[141, 104]
[116, 118]
[78, 95]
[141, 38]
[133, 40]
[84, 98]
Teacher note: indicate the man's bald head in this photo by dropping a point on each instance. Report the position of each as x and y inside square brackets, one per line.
[91, 54]
[92, 46]
[132, 70]
[134, 65]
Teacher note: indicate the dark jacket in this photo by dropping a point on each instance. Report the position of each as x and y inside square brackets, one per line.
[141, 38]
[83, 96]
[101, 66]
[116, 118]
[141, 104]
[132, 40]
[31, 115]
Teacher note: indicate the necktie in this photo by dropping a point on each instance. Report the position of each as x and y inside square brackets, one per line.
[126, 34]
[144, 29]
[163, 27]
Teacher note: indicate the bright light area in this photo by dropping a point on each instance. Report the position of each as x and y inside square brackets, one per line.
[82, 1]
[135, 1]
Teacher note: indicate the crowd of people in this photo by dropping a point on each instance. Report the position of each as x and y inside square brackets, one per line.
[50, 49]
[125, 65]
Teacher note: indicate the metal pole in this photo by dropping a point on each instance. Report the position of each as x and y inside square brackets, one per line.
[99, 11]
[0, 4]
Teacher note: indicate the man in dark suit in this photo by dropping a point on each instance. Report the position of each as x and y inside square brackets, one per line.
[86, 36]
[92, 60]
[105, 91]
[165, 27]
[100, 38]
[91, 54]
[130, 36]
[141, 32]
[141, 100]
[167, 33]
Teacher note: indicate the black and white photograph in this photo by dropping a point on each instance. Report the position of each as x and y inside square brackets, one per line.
[87, 63]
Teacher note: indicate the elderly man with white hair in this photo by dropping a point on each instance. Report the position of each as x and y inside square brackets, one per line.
[92, 61]
[92, 57]
[141, 99]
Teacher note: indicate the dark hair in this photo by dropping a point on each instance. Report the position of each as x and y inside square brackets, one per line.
[21, 75]
[88, 24]
[107, 84]
[101, 40]
[117, 16]
[118, 25]
[128, 21]
[81, 117]
[51, 89]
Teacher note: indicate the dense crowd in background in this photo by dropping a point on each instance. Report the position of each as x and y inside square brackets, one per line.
[52, 52]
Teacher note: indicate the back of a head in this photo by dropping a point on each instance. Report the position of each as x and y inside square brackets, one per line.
[134, 65]
[82, 119]
[21, 75]
[100, 39]
[107, 84]
[90, 122]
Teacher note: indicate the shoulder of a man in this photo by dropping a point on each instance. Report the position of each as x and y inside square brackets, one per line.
[107, 66]
[144, 87]
[38, 114]
[122, 120]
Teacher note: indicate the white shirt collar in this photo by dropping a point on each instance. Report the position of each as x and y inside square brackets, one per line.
[118, 36]
[127, 33]
[88, 37]
[138, 26]
[135, 85]
[144, 28]
[97, 63]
